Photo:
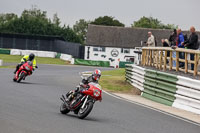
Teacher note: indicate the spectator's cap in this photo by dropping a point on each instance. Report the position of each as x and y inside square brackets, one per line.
[167, 41]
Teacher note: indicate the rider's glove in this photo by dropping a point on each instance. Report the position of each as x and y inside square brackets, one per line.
[77, 88]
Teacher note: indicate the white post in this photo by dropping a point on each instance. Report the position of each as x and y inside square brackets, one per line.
[1, 62]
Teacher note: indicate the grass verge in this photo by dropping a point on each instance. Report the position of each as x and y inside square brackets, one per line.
[8, 66]
[40, 60]
[114, 81]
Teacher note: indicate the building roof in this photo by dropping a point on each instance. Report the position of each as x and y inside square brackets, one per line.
[112, 36]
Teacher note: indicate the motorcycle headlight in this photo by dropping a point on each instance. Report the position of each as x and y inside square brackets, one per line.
[27, 68]
[96, 93]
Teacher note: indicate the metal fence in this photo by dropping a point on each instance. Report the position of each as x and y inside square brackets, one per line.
[41, 43]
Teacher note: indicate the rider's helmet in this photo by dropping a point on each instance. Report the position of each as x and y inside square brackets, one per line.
[31, 57]
[96, 74]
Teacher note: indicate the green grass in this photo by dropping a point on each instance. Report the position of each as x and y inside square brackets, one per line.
[7, 66]
[114, 81]
[40, 60]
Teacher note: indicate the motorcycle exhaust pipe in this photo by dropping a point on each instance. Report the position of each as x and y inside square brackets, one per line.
[63, 101]
[63, 96]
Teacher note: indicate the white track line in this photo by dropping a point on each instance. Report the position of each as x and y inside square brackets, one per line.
[166, 113]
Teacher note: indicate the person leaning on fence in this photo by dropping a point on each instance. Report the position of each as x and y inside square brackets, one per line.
[192, 43]
[165, 43]
[172, 40]
[151, 40]
[180, 42]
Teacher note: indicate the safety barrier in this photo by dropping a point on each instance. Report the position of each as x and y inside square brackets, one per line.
[37, 53]
[1, 62]
[4, 51]
[177, 91]
[15, 52]
[122, 64]
[66, 57]
[92, 63]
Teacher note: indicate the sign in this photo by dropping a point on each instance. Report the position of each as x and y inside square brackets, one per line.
[114, 53]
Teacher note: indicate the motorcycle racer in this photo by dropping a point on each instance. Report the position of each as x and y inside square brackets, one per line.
[30, 57]
[95, 77]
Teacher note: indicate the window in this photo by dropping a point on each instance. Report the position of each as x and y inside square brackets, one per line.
[99, 49]
[125, 51]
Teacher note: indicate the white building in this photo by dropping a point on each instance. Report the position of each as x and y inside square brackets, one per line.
[112, 54]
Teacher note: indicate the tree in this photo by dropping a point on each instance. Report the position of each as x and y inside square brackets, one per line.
[107, 21]
[35, 22]
[56, 20]
[150, 22]
[80, 28]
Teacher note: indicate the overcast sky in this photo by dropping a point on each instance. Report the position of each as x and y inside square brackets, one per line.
[183, 13]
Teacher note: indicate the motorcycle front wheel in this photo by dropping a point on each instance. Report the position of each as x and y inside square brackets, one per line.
[64, 109]
[86, 110]
[21, 76]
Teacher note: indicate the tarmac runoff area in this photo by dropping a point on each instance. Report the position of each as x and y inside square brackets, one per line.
[178, 113]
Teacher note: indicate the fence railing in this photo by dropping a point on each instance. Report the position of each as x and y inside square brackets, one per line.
[163, 58]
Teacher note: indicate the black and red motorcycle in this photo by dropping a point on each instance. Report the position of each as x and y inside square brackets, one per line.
[83, 102]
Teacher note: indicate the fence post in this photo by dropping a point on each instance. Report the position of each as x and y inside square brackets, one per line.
[143, 57]
[157, 58]
[150, 57]
[196, 58]
[165, 61]
[170, 61]
[177, 61]
[161, 57]
[186, 63]
[147, 57]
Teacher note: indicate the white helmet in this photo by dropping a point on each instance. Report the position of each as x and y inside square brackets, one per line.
[96, 75]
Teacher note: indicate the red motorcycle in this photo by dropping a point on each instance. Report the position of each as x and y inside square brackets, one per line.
[83, 102]
[25, 70]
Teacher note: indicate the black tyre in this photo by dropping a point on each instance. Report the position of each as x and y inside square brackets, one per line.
[85, 111]
[21, 76]
[14, 80]
[64, 109]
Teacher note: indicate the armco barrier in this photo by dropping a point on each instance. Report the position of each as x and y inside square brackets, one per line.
[91, 63]
[168, 89]
[15, 52]
[4, 51]
[135, 76]
[122, 64]
[1, 62]
[66, 57]
[37, 53]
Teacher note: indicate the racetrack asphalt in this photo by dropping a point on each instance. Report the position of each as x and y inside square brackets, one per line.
[33, 107]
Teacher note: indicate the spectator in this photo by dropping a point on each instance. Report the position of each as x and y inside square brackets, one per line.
[192, 43]
[151, 40]
[180, 43]
[173, 40]
[165, 42]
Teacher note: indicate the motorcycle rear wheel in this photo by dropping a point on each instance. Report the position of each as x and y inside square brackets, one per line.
[86, 110]
[64, 109]
[21, 76]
